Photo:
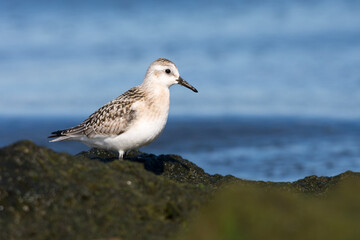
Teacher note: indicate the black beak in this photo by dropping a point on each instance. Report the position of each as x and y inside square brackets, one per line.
[186, 84]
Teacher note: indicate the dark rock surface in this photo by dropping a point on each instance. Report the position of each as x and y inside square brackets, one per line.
[49, 195]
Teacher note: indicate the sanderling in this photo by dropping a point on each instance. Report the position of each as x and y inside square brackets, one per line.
[135, 118]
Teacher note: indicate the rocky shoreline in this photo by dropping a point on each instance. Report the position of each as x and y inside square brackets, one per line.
[49, 195]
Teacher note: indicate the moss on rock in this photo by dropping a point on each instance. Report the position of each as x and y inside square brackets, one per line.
[329, 210]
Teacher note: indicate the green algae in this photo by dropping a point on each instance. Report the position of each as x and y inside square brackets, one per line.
[250, 212]
[49, 195]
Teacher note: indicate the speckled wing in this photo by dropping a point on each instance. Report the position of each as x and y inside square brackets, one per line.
[114, 118]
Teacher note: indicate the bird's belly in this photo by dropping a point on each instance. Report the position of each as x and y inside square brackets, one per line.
[140, 134]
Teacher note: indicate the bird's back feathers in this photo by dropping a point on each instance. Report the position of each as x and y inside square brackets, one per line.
[114, 118]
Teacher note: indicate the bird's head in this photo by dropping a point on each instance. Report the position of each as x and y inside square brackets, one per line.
[164, 72]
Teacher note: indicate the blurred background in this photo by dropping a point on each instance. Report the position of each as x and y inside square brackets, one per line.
[278, 81]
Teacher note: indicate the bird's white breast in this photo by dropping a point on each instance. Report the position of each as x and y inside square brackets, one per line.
[150, 121]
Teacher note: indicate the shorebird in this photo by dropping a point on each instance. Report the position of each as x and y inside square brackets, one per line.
[135, 118]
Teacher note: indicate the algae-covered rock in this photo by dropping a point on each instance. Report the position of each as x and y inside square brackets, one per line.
[250, 212]
[173, 167]
[49, 195]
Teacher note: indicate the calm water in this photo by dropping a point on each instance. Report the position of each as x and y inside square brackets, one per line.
[263, 57]
[278, 149]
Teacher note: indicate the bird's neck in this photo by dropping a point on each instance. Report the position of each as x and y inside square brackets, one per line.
[157, 95]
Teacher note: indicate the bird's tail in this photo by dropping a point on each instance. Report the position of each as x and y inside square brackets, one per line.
[67, 134]
[59, 136]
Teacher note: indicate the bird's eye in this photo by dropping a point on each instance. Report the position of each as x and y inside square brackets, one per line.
[167, 71]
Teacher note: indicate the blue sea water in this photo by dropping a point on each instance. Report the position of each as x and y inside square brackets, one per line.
[266, 148]
[294, 66]
[264, 57]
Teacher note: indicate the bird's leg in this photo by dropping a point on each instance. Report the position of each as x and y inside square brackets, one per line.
[121, 154]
